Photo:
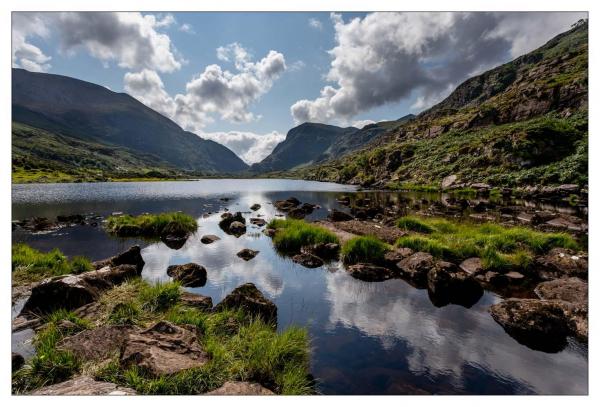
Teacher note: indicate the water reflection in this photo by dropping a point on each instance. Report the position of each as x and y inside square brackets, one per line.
[368, 338]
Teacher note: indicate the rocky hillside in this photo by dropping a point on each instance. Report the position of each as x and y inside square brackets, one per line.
[522, 123]
[94, 114]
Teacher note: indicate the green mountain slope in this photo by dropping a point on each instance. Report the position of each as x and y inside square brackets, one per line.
[522, 123]
[91, 113]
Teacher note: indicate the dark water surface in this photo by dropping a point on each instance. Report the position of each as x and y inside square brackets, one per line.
[367, 338]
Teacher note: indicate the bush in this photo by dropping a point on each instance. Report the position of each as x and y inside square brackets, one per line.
[292, 234]
[363, 249]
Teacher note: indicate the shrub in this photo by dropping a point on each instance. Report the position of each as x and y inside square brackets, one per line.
[363, 249]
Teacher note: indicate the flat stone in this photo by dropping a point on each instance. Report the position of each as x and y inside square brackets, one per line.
[370, 272]
[189, 275]
[559, 263]
[258, 222]
[97, 344]
[208, 239]
[397, 254]
[240, 389]
[201, 302]
[247, 254]
[448, 181]
[325, 251]
[448, 284]
[471, 266]
[572, 289]
[83, 386]
[165, 348]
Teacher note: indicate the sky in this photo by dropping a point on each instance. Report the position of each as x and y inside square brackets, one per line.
[245, 79]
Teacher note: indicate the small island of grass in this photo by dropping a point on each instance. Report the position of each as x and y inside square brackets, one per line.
[363, 249]
[292, 234]
[152, 225]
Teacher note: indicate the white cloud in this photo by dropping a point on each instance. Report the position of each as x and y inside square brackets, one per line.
[187, 28]
[296, 66]
[148, 88]
[250, 147]
[316, 24]
[164, 20]
[24, 54]
[385, 57]
[359, 124]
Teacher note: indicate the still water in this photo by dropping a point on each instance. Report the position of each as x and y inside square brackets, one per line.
[367, 338]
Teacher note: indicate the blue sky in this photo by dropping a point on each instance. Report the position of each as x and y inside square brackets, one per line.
[382, 66]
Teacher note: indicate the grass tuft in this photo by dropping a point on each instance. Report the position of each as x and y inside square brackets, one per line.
[413, 224]
[150, 225]
[292, 234]
[363, 249]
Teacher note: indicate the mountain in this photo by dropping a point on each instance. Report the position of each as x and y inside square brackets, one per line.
[90, 113]
[311, 143]
[522, 123]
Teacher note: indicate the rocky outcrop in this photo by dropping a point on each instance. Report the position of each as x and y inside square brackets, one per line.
[240, 389]
[307, 260]
[208, 239]
[83, 386]
[133, 256]
[416, 267]
[98, 344]
[247, 254]
[73, 291]
[560, 263]
[370, 272]
[189, 275]
[447, 284]
[163, 349]
[248, 298]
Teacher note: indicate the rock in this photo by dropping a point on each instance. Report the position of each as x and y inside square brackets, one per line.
[83, 386]
[98, 344]
[514, 277]
[208, 239]
[307, 260]
[538, 324]
[201, 302]
[226, 222]
[258, 222]
[247, 254]
[344, 200]
[564, 223]
[447, 284]
[240, 389]
[78, 219]
[416, 266]
[251, 301]
[68, 292]
[480, 186]
[133, 255]
[370, 272]
[225, 215]
[294, 201]
[174, 231]
[572, 289]
[480, 207]
[297, 213]
[237, 228]
[270, 232]
[37, 224]
[471, 266]
[532, 218]
[286, 205]
[17, 361]
[339, 216]
[255, 207]
[559, 263]
[163, 349]
[189, 275]
[325, 251]
[397, 254]
[448, 181]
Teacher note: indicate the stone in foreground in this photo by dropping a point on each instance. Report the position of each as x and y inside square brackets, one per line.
[189, 275]
[251, 301]
[240, 389]
[133, 256]
[84, 386]
[198, 301]
[97, 344]
[165, 348]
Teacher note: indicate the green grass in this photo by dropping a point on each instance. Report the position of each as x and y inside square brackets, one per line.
[150, 225]
[498, 247]
[292, 234]
[413, 224]
[159, 296]
[30, 265]
[363, 249]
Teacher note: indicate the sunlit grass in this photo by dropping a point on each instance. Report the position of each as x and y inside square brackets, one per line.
[150, 225]
[292, 234]
[363, 249]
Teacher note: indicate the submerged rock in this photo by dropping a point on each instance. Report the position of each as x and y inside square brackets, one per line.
[370, 272]
[325, 251]
[255, 207]
[83, 386]
[208, 239]
[133, 256]
[247, 254]
[286, 205]
[251, 301]
[226, 222]
[174, 235]
[240, 389]
[307, 260]
[297, 213]
[339, 216]
[189, 275]
[447, 284]
[163, 349]
[237, 228]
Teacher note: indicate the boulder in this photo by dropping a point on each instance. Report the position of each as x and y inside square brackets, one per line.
[17, 361]
[307, 260]
[174, 235]
[538, 324]
[226, 222]
[472, 266]
[559, 263]
[339, 216]
[208, 239]
[416, 267]
[447, 284]
[251, 301]
[189, 275]
[247, 254]
[163, 349]
[255, 207]
[571, 289]
[240, 389]
[201, 302]
[448, 181]
[325, 251]
[370, 272]
[397, 254]
[133, 256]
[83, 386]
[237, 228]
[98, 344]
[68, 292]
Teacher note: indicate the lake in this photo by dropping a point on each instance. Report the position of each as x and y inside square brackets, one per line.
[367, 338]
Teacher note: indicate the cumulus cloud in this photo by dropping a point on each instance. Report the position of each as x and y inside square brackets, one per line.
[148, 88]
[385, 57]
[359, 124]
[24, 54]
[250, 147]
[187, 28]
[316, 24]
